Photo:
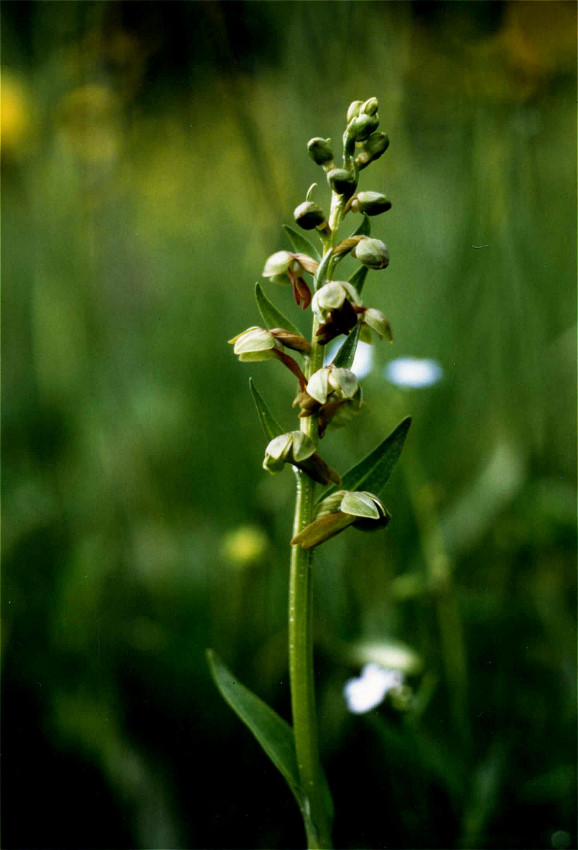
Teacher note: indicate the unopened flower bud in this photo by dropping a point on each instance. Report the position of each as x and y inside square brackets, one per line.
[309, 215]
[372, 253]
[354, 109]
[253, 345]
[378, 323]
[370, 106]
[320, 150]
[370, 203]
[342, 182]
[373, 148]
[363, 126]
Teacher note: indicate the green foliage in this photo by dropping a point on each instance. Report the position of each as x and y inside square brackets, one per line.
[300, 243]
[364, 227]
[272, 317]
[270, 425]
[273, 733]
[358, 278]
[346, 354]
[372, 473]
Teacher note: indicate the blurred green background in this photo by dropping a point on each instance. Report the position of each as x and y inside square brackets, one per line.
[151, 152]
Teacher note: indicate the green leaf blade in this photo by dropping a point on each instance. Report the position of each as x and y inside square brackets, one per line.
[358, 277]
[321, 274]
[269, 424]
[300, 244]
[364, 228]
[271, 731]
[273, 317]
[346, 354]
[373, 472]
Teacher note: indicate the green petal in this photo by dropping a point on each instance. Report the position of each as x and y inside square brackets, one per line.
[359, 503]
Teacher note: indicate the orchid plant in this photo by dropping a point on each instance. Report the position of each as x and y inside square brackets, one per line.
[328, 395]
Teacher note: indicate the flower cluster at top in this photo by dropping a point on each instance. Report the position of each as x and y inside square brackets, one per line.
[329, 395]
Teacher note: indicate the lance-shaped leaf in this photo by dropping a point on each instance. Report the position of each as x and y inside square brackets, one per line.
[372, 473]
[321, 274]
[358, 278]
[273, 317]
[270, 425]
[273, 733]
[300, 243]
[364, 228]
[346, 354]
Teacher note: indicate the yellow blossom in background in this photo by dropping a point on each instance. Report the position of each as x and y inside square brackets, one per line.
[15, 116]
[245, 546]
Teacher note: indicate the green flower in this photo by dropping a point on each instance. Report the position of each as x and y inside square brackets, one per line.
[332, 383]
[297, 449]
[254, 344]
[338, 511]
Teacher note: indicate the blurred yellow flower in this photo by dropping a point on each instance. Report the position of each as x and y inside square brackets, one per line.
[15, 116]
[245, 546]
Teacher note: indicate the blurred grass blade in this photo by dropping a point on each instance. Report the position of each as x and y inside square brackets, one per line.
[346, 354]
[300, 243]
[273, 317]
[358, 278]
[364, 228]
[273, 733]
[372, 473]
[270, 425]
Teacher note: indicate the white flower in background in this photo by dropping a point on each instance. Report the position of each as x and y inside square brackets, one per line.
[413, 372]
[371, 688]
[363, 360]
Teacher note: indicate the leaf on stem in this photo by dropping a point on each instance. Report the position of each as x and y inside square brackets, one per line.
[270, 425]
[346, 354]
[273, 317]
[300, 243]
[364, 228]
[321, 275]
[372, 473]
[273, 733]
[357, 279]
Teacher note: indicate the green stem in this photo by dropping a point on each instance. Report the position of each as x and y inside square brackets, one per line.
[301, 672]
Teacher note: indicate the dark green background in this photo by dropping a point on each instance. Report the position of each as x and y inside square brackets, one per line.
[151, 153]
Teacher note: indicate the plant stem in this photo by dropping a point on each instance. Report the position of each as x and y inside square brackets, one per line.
[301, 670]
[301, 674]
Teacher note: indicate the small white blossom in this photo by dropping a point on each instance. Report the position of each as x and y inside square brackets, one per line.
[413, 372]
[371, 688]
